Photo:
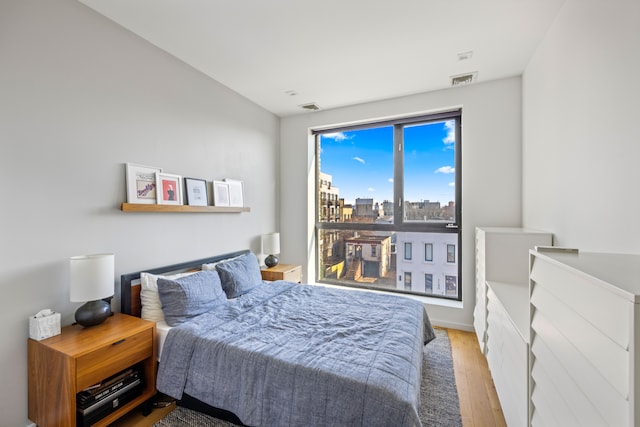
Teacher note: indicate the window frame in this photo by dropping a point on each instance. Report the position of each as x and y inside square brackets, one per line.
[428, 277]
[408, 280]
[399, 224]
[430, 251]
[455, 250]
[408, 245]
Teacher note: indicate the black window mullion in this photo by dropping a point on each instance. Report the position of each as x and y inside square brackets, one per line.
[458, 174]
[398, 175]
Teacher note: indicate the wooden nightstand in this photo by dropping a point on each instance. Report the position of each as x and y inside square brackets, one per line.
[61, 366]
[289, 272]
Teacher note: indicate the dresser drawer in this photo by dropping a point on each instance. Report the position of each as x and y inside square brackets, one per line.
[113, 358]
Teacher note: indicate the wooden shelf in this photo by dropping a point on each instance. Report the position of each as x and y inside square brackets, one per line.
[138, 207]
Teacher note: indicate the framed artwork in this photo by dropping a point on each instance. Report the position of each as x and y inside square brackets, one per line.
[169, 189]
[141, 183]
[196, 191]
[236, 192]
[220, 193]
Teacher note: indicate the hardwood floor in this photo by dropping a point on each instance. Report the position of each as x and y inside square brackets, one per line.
[479, 405]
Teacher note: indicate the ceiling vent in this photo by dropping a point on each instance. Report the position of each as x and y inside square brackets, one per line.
[465, 56]
[464, 79]
[312, 106]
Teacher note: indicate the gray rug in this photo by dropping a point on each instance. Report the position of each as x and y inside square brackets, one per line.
[439, 395]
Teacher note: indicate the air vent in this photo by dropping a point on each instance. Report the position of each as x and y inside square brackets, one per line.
[465, 56]
[464, 79]
[311, 106]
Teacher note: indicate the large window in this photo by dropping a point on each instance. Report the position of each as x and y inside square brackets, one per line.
[381, 187]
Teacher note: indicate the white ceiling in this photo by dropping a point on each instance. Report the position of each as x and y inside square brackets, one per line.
[338, 52]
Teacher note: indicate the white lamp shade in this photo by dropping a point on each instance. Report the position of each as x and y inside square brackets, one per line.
[92, 277]
[271, 243]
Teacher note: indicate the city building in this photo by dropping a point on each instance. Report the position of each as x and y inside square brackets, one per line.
[427, 263]
[329, 204]
[367, 257]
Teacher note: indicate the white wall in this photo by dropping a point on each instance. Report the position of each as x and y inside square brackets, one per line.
[491, 171]
[80, 97]
[581, 128]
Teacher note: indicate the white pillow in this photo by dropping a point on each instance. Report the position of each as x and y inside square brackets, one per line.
[149, 296]
[212, 266]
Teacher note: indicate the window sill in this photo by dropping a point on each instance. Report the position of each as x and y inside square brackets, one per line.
[442, 302]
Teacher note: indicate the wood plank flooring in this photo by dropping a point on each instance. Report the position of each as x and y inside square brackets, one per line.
[479, 405]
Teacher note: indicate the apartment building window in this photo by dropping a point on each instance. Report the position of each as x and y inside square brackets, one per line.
[451, 253]
[407, 281]
[428, 283]
[392, 183]
[428, 252]
[408, 251]
[451, 284]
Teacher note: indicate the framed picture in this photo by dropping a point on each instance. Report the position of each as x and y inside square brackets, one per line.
[236, 192]
[141, 183]
[196, 190]
[169, 189]
[220, 193]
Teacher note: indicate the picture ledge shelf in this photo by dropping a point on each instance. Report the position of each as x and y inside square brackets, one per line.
[138, 207]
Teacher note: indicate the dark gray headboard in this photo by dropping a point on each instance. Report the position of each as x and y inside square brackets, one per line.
[130, 283]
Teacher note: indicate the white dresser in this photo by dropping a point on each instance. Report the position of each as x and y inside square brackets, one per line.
[585, 323]
[502, 255]
[501, 314]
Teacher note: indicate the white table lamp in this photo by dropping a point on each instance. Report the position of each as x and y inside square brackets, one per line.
[271, 246]
[92, 278]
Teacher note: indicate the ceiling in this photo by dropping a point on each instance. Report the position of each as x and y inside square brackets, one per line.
[282, 54]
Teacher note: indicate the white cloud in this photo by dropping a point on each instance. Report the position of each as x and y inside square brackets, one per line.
[446, 169]
[358, 159]
[390, 180]
[450, 139]
[371, 190]
[336, 136]
[452, 184]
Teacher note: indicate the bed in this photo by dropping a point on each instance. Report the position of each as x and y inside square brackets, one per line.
[281, 353]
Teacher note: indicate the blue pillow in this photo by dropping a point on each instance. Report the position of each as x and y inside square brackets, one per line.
[240, 275]
[190, 296]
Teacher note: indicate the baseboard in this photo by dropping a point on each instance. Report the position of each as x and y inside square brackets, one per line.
[452, 325]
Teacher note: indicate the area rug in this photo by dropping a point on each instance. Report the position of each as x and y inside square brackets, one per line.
[439, 396]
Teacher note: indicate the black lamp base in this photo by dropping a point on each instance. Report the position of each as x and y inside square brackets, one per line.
[93, 313]
[271, 261]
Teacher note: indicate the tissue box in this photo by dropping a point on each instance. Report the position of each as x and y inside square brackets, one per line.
[43, 325]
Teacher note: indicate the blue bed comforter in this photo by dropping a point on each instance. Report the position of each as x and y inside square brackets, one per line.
[301, 355]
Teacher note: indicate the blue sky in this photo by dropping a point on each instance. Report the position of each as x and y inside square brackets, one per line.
[361, 162]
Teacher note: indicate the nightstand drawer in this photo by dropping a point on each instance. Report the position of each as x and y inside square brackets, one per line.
[288, 272]
[108, 360]
[294, 275]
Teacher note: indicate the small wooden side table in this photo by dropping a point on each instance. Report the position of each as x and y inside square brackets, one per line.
[63, 365]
